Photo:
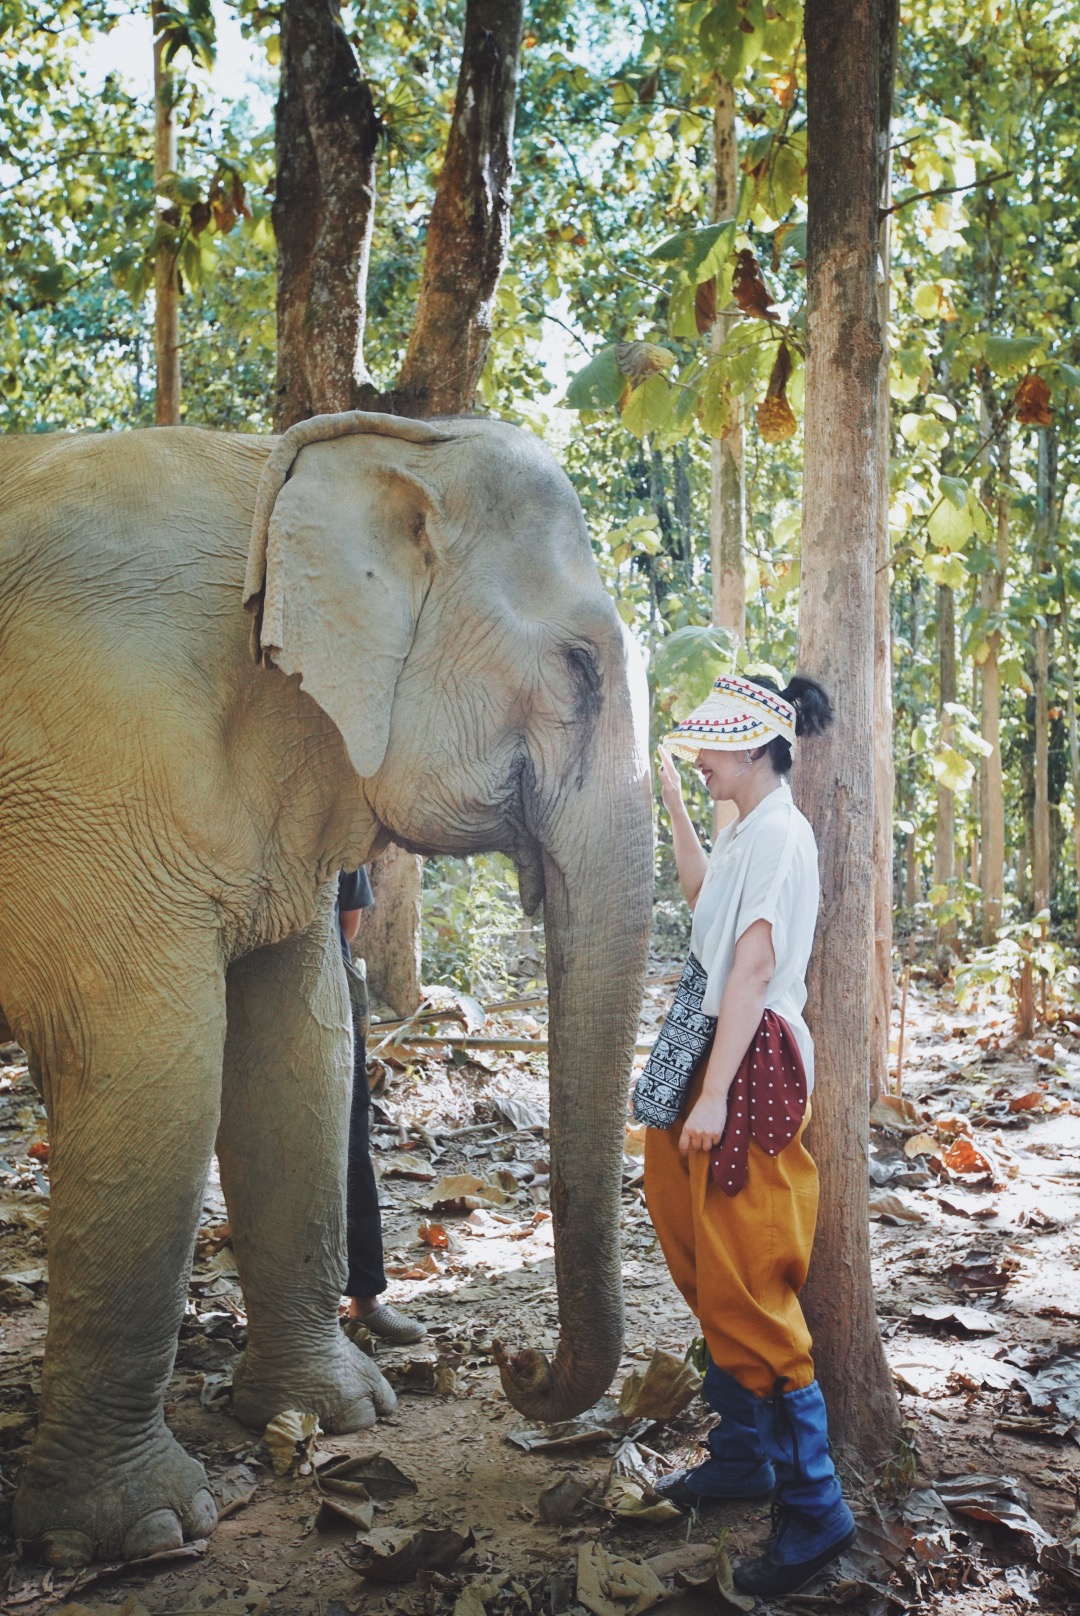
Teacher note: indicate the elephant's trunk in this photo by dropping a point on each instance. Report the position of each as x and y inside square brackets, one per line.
[597, 910]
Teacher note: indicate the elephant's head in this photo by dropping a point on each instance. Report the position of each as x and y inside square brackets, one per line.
[434, 588]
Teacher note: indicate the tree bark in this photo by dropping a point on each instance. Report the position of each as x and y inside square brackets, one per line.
[166, 283]
[1073, 731]
[727, 508]
[884, 771]
[1045, 529]
[469, 230]
[991, 793]
[945, 831]
[323, 213]
[842, 508]
[323, 217]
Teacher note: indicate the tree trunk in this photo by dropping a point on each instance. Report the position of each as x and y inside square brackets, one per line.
[469, 230]
[991, 792]
[1040, 836]
[884, 772]
[166, 284]
[945, 832]
[323, 217]
[727, 509]
[1073, 730]
[840, 547]
[323, 213]
[1045, 525]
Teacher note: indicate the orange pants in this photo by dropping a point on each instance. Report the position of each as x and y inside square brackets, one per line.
[740, 1261]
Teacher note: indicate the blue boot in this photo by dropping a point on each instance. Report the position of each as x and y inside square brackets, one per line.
[737, 1466]
[811, 1522]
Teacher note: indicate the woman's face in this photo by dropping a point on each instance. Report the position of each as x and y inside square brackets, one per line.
[720, 768]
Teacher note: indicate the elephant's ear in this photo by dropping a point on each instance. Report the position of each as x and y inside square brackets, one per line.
[341, 559]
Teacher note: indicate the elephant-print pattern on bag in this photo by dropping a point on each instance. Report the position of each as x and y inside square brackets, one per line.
[681, 1044]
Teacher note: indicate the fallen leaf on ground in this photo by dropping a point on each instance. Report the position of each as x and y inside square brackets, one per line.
[981, 1272]
[424, 1267]
[433, 1234]
[397, 1557]
[601, 1423]
[982, 1210]
[664, 1390]
[891, 1204]
[402, 1164]
[1027, 1102]
[611, 1586]
[290, 1437]
[474, 1597]
[967, 1319]
[996, 1499]
[1059, 1386]
[233, 1488]
[380, 1477]
[628, 1500]
[964, 1159]
[920, 1144]
[356, 1512]
[524, 1115]
[462, 1192]
[560, 1504]
[896, 1114]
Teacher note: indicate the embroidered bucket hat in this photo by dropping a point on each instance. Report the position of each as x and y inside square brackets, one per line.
[734, 715]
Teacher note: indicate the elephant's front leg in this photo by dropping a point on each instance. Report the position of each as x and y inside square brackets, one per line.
[132, 1082]
[282, 1149]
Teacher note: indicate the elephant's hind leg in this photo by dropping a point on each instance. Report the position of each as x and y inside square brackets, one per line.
[282, 1150]
[132, 1082]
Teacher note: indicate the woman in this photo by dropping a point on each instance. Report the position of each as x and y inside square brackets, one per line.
[730, 1187]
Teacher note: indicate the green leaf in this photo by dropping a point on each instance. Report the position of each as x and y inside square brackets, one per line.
[599, 384]
[791, 238]
[955, 490]
[947, 570]
[698, 252]
[714, 400]
[951, 770]
[949, 528]
[648, 406]
[1070, 375]
[1007, 354]
[723, 39]
[688, 661]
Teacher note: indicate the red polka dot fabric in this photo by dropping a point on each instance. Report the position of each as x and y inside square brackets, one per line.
[767, 1101]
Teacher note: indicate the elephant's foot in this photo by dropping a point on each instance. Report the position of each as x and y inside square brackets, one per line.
[116, 1503]
[337, 1382]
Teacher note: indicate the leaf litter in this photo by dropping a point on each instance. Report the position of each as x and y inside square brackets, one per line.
[987, 1358]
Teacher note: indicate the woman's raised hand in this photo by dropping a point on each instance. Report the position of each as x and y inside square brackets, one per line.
[670, 784]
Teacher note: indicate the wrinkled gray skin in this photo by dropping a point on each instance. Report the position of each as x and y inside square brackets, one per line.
[437, 662]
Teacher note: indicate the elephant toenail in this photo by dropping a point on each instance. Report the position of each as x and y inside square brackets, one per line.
[66, 1550]
[201, 1514]
[153, 1534]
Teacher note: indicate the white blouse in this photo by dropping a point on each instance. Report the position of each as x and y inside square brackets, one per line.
[763, 867]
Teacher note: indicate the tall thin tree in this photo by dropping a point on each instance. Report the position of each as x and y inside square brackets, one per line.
[326, 142]
[841, 543]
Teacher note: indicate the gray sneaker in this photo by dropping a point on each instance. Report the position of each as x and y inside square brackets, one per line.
[389, 1323]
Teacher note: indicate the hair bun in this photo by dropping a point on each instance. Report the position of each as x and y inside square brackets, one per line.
[813, 709]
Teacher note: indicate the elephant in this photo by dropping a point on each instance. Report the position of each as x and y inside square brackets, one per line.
[230, 666]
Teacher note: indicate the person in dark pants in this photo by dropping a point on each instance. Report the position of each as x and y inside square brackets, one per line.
[363, 1223]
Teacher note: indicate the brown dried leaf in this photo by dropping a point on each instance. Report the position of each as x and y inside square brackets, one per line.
[896, 1114]
[965, 1159]
[775, 420]
[705, 305]
[398, 1559]
[1033, 402]
[891, 1205]
[433, 1234]
[640, 359]
[749, 290]
[664, 1390]
[1027, 1102]
[920, 1144]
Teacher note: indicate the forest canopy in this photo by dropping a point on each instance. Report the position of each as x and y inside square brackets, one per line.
[651, 308]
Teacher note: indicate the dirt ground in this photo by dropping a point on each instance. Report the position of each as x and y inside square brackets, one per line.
[975, 1185]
